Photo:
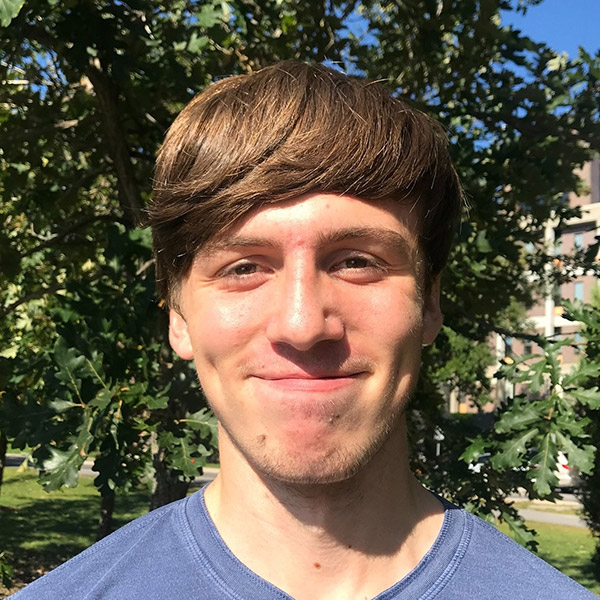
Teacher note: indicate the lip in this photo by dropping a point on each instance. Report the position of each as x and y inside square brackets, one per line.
[309, 383]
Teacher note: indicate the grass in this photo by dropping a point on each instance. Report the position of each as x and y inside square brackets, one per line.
[568, 549]
[41, 530]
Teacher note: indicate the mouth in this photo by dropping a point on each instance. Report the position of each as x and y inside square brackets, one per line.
[304, 382]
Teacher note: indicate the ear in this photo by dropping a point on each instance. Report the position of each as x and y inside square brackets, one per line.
[432, 313]
[179, 336]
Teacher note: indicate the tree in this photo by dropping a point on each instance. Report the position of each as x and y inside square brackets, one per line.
[589, 317]
[89, 90]
[85, 108]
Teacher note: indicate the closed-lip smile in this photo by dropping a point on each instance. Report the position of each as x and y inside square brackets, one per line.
[309, 382]
[308, 376]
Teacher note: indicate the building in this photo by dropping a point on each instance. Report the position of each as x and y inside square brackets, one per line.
[546, 316]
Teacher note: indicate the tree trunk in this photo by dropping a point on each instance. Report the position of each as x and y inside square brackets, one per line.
[166, 487]
[3, 445]
[107, 507]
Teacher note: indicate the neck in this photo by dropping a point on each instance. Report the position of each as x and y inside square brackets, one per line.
[349, 539]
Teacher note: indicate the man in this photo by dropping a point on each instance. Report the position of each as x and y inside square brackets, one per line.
[301, 220]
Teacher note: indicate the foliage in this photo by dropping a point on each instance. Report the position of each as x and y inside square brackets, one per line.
[88, 91]
[542, 419]
[9, 9]
[589, 317]
[6, 571]
[464, 365]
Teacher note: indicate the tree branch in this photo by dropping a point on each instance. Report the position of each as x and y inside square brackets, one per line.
[31, 296]
[40, 293]
[72, 229]
[490, 327]
[106, 92]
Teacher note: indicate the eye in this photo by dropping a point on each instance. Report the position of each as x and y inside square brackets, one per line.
[361, 268]
[355, 262]
[243, 274]
[242, 269]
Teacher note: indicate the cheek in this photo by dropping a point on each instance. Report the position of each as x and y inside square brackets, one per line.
[404, 335]
[396, 329]
[220, 328]
[390, 314]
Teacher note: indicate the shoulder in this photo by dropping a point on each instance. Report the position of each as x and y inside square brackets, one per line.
[495, 567]
[131, 550]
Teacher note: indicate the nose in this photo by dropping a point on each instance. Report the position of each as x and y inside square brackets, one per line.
[303, 311]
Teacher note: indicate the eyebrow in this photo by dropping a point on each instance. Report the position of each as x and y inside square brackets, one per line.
[232, 242]
[387, 237]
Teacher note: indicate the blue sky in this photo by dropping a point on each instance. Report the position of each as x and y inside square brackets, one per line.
[562, 24]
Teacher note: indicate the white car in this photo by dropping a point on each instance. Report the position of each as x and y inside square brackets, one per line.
[568, 477]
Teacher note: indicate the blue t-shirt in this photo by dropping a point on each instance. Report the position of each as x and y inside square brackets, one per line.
[175, 552]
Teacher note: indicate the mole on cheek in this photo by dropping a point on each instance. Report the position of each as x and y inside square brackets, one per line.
[317, 565]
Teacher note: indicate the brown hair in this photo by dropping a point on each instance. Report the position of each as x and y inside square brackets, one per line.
[287, 130]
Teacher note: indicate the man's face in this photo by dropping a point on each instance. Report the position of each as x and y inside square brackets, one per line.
[306, 322]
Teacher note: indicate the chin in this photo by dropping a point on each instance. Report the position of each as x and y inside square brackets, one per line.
[308, 469]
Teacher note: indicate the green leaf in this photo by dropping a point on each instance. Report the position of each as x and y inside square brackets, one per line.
[571, 424]
[584, 370]
[520, 532]
[590, 397]
[184, 453]
[511, 451]
[71, 365]
[59, 406]
[558, 62]
[580, 457]
[197, 43]
[102, 399]
[157, 402]
[9, 9]
[475, 449]
[482, 243]
[536, 375]
[209, 15]
[62, 468]
[6, 571]
[10, 352]
[544, 475]
[518, 416]
[203, 421]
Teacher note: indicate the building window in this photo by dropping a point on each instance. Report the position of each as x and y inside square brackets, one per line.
[508, 346]
[578, 241]
[558, 245]
[527, 346]
[578, 293]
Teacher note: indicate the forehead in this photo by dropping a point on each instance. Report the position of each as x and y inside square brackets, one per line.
[317, 219]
